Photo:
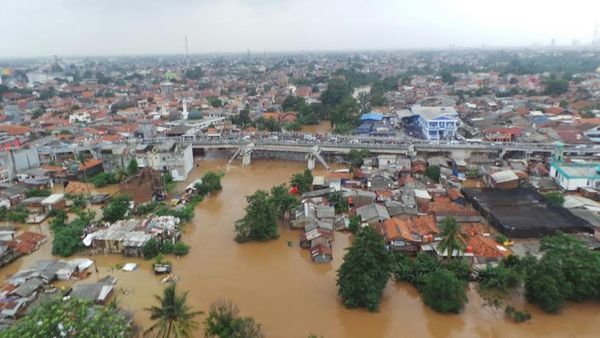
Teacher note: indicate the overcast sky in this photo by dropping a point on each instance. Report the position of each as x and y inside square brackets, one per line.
[103, 27]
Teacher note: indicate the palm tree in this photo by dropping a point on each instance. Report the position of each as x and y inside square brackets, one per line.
[451, 239]
[173, 317]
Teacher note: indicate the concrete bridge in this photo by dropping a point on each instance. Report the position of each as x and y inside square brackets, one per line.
[314, 150]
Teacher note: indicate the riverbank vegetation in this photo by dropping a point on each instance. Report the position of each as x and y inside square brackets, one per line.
[264, 209]
[71, 317]
[566, 271]
[17, 214]
[224, 320]
[260, 221]
[302, 181]
[365, 271]
[67, 235]
[154, 248]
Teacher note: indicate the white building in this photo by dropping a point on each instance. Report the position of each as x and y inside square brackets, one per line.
[572, 176]
[81, 117]
[177, 158]
[437, 123]
[593, 134]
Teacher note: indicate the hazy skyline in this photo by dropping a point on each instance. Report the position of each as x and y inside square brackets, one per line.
[106, 27]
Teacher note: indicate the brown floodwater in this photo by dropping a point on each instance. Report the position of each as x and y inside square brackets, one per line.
[323, 127]
[292, 297]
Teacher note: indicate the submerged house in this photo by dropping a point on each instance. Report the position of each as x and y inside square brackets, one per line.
[408, 234]
[373, 213]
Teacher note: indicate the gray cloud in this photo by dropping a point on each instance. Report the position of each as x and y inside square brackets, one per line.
[100, 27]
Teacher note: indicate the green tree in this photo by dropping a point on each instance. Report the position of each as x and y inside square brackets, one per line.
[211, 181]
[433, 172]
[413, 270]
[555, 86]
[215, 102]
[337, 90]
[546, 286]
[38, 192]
[338, 201]
[364, 271]
[67, 237]
[563, 104]
[80, 202]
[443, 292]
[117, 208]
[194, 74]
[358, 156]
[181, 249]
[71, 317]
[224, 321]
[283, 201]
[459, 267]
[260, 221]
[579, 266]
[132, 167]
[103, 179]
[303, 181]
[451, 239]
[151, 248]
[18, 214]
[554, 198]
[448, 78]
[354, 224]
[172, 317]
[499, 278]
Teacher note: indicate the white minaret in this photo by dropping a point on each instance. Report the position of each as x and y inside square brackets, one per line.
[185, 113]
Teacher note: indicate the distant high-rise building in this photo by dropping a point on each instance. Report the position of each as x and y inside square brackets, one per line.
[187, 57]
[596, 40]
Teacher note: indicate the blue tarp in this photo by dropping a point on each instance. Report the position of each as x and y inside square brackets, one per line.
[371, 117]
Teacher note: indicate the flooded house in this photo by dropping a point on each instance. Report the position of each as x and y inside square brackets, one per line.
[12, 193]
[129, 236]
[98, 292]
[408, 234]
[147, 186]
[372, 213]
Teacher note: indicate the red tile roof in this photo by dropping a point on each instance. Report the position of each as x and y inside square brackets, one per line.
[486, 247]
[89, 164]
[412, 229]
[14, 130]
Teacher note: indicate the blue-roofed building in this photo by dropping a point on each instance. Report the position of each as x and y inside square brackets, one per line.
[437, 123]
[371, 117]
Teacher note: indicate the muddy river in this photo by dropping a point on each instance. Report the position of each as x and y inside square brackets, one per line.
[291, 296]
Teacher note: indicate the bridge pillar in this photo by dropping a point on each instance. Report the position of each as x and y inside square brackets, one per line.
[247, 155]
[311, 161]
[411, 151]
